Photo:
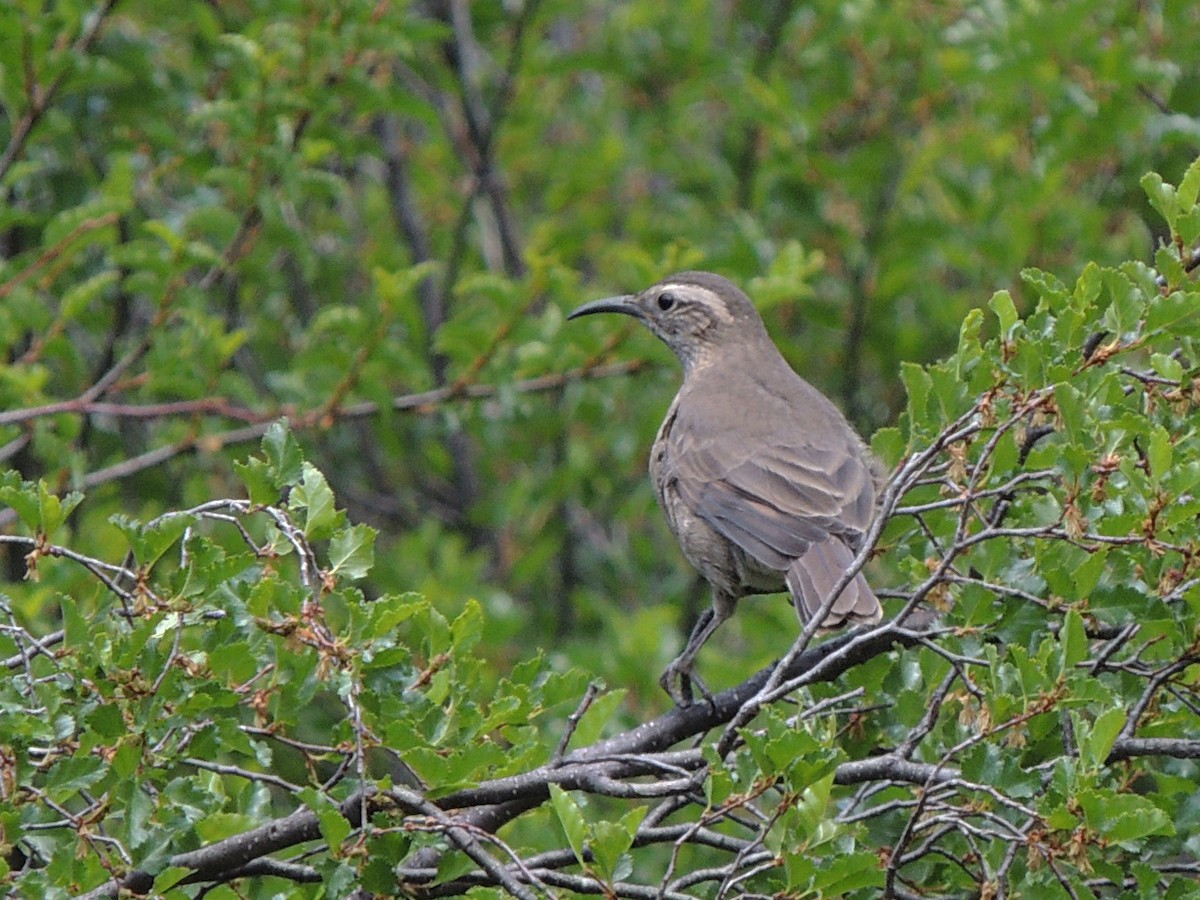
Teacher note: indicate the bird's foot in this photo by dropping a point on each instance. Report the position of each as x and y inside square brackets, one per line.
[678, 680]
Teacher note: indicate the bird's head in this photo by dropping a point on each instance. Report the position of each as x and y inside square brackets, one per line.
[696, 314]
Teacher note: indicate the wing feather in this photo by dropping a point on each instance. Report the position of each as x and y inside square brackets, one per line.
[798, 487]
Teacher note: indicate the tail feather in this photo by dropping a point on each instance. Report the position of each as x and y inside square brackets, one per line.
[812, 577]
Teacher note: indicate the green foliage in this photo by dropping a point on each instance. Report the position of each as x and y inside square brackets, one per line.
[243, 650]
[602, 846]
[365, 221]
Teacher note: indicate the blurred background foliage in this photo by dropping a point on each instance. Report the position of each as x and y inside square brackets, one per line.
[214, 215]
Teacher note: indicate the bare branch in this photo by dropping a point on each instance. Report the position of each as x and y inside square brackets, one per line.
[1129, 747]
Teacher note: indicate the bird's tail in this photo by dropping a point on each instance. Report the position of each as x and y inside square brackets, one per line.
[812, 577]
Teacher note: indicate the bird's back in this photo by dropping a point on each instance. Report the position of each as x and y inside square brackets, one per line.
[753, 430]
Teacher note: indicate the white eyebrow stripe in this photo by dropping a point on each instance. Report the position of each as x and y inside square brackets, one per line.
[707, 298]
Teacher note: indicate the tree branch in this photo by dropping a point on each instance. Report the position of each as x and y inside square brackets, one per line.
[1129, 747]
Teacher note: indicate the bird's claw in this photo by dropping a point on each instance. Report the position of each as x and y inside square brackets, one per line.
[678, 680]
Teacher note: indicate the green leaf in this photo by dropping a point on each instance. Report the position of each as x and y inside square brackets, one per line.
[1088, 286]
[1167, 366]
[283, 454]
[72, 775]
[383, 848]
[917, 383]
[1073, 638]
[1006, 311]
[169, 877]
[1189, 186]
[313, 496]
[1124, 818]
[1176, 313]
[791, 751]
[1187, 227]
[390, 610]
[1087, 574]
[1047, 286]
[1162, 197]
[848, 872]
[53, 510]
[396, 287]
[1072, 408]
[571, 819]
[107, 722]
[452, 865]
[352, 551]
[812, 810]
[1061, 818]
[259, 479]
[1167, 262]
[467, 627]
[164, 233]
[887, 444]
[233, 662]
[76, 625]
[23, 497]
[1159, 454]
[609, 842]
[128, 758]
[969, 348]
[1127, 304]
[1096, 740]
[150, 541]
[335, 827]
[81, 295]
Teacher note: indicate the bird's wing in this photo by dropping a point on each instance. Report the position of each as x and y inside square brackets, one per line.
[786, 495]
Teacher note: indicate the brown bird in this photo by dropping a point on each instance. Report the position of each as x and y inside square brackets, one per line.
[763, 481]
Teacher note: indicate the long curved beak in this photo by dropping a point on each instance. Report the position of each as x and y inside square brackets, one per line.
[626, 304]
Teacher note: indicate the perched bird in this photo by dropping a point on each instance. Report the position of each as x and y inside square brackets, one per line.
[763, 481]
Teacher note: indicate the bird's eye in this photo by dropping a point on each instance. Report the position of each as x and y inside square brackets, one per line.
[666, 300]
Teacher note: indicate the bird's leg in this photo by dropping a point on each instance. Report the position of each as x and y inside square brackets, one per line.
[677, 679]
